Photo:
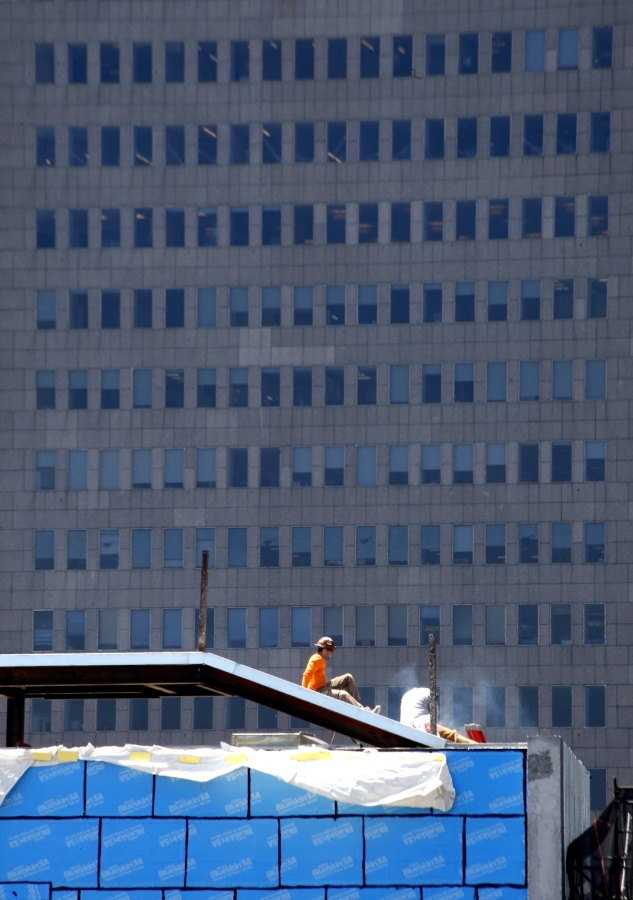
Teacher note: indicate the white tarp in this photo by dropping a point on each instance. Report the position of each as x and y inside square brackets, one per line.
[366, 777]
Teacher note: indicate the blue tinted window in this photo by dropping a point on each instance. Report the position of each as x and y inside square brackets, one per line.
[434, 138]
[336, 142]
[44, 551]
[501, 51]
[239, 144]
[174, 62]
[367, 223]
[498, 219]
[143, 227]
[467, 138]
[110, 146]
[110, 389]
[435, 54]
[368, 141]
[271, 61]
[237, 558]
[534, 51]
[239, 226]
[566, 133]
[533, 135]
[174, 145]
[600, 132]
[303, 227]
[432, 302]
[564, 216]
[304, 59]
[77, 146]
[174, 228]
[465, 220]
[207, 226]
[369, 57]
[207, 145]
[500, 135]
[400, 222]
[110, 309]
[77, 227]
[563, 301]
[143, 145]
[335, 304]
[531, 217]
[465, 301]
[45, 231]
[240, 61]
[568, 48]
[468, 60]
[433, 221]
[46, 310]
[45, 390]
[402, 56]
[401, 139]
[207, 61]
[271, 142]
[335, 227]
[109, 63]
[45, 64]
[602, 47]
[45, 147]
[271, 226]
[110, 227]
[337, 58]
[304, 142]
[597, 216]
[78, 309]
[142, 63]
[77, 64]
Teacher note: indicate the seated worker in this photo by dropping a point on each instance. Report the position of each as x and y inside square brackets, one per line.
[415, 710]
[343, 687]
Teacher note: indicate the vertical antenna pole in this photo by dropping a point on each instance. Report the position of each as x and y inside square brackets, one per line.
[202, 621]
[433, 683]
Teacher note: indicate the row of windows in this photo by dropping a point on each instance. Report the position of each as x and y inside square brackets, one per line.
[336, 58]
[296, 305]
[303, 384]
[332, 223]
[334, 140]
[304, 546]
[525, 463]
[369, 626]
[171, 714]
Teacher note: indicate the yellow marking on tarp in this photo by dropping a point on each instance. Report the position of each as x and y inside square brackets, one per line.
[310, 755]
[236, 758]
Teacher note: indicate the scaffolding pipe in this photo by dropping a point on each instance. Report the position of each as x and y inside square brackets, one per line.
[202, 620]
[433, 683]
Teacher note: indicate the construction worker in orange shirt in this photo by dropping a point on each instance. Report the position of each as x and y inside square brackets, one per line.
[343, 687]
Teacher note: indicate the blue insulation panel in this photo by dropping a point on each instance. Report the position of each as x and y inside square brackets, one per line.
[100, 831]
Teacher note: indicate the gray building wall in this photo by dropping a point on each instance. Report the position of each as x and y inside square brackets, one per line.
[501, 656]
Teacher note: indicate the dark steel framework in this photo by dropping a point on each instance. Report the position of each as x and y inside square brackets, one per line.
[600, 862]
[185, 674]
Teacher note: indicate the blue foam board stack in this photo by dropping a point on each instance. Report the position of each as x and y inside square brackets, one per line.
[98, 831]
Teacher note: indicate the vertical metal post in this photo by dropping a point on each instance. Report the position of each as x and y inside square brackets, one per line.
[433, 683]
[15, 721]
[202, 621]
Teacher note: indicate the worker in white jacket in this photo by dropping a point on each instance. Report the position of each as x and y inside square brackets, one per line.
[415, 710]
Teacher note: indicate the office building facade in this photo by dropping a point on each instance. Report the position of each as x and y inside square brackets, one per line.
[339, 292]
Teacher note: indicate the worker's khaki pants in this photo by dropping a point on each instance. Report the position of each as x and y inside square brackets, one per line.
[449, 734]
[343, 687]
